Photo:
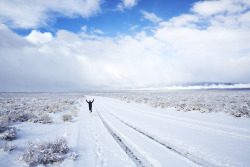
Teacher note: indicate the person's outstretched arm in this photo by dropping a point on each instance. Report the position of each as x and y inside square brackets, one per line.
[93, 100]
[87, 101]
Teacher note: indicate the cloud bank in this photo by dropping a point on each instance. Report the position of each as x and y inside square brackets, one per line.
[37, 13]
[211, 45]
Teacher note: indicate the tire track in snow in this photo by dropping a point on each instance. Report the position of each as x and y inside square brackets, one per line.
[133, 153]
[181, 152]
[246, 137]
[186, 119]
[200, 122]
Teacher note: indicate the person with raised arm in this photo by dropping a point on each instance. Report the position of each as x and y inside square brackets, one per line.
[90, 104]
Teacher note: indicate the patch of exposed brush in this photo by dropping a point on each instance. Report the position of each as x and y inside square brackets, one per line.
[74, 112]
[66, 117]
[7, 132]
[8, 147]
[47, 152]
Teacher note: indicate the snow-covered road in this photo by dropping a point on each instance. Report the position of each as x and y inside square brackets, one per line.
[94, 144]
[119, 133]
[163, 137]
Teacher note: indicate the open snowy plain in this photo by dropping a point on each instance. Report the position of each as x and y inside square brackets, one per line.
[206, 128]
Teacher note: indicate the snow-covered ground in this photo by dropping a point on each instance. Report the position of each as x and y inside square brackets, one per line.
[234, 102]
[85, 133]
[119, 133]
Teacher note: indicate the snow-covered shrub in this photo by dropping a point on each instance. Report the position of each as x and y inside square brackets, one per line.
[45, 119]
[19, 116]
[46, 152]
[162, 105]
[7, 148]
[196, 107]
[73, 155]
[74, 113]
[66, 117]
[42, 118]
[33, 107]
[237, 114]
[8, 134]
[4, 123]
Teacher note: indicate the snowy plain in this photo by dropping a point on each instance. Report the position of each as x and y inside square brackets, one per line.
[235, 102]
[130, 133]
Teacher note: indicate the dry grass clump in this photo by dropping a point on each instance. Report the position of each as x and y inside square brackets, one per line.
[66, 117]
[45, 119]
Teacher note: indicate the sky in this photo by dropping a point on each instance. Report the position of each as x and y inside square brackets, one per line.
[81, 45]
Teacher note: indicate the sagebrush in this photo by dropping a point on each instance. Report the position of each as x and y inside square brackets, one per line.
[7, 132]
[66, 117]
[46, 152]
[74, 112]
[7, 148]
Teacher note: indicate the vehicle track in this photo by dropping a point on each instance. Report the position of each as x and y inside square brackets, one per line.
[133, 154]
[185, 119]
[169, 119]
[181, 152]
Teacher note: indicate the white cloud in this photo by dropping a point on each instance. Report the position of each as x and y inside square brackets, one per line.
[92, 31]
[151, 17]
[70, 61]
[96, 31]
[11, 40]
[127, 4]
[37, 37]
[187, 48]
[211, 46]
[133, 28]
[185, 20]
[36, 13]
[84, 28]
[220, 6]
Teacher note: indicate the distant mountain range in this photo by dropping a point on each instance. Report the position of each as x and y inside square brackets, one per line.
[208, 83]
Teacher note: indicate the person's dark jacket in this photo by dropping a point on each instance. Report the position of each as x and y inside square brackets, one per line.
[90, 104]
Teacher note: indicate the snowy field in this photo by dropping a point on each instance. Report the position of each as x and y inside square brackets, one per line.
[233, 102]
[28, 121]
[58, 130]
